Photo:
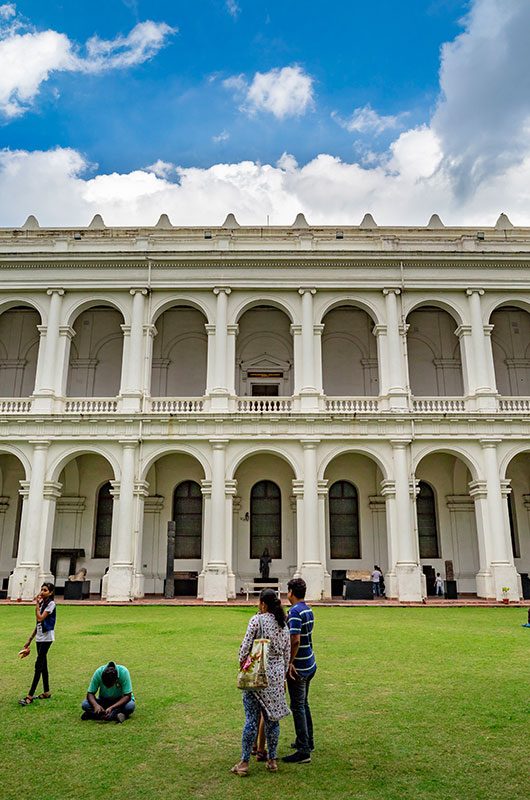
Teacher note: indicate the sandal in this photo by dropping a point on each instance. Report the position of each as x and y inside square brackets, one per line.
[44, 696]
[261, 755]
[237, 769]
[26, 701]
[272, 765]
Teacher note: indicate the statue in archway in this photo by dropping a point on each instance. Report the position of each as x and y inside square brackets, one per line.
[265, 564]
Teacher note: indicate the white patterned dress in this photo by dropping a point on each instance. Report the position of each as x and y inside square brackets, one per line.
[272, 699]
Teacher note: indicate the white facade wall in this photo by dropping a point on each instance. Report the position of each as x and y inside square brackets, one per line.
[388, 356]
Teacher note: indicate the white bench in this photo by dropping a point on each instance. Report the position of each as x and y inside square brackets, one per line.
[249, 587]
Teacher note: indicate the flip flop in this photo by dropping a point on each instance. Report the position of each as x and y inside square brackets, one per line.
[44, 696]
[272, 765]
[241, 771]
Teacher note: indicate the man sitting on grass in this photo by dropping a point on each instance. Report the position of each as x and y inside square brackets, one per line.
[115, 701]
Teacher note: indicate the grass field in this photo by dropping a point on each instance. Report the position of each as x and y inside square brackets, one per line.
[408, 703]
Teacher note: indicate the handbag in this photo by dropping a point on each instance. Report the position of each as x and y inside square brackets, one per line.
[253, 674]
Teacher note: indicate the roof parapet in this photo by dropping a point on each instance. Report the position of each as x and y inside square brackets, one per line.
[300, 221]
[435, 222]
[97, 223]
[164, 222]
[230, 222]
[368, 222]
[503, 223]
[31, 224]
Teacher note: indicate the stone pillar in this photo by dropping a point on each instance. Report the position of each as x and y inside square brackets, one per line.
[312, 568]
[219, 392]
[141, 491]
[308, 390]
[407, 569]
[379, 331]
[216, 570]
[210, 365]
[482, 388]
[51, 493]
[49, 372]
[131, 393]
[296, 333]
[502, 566]
[322, 489]
[230, 492]
[388, 491]
[150, 332]
[66, 334]
[377, 506]
[206, 489]
[25, 579]
[395, 361]
[318, 331]
[120, 576]
[232, 332]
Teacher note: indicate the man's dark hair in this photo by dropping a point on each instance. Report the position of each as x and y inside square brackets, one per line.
[298, 587]
[109, 676]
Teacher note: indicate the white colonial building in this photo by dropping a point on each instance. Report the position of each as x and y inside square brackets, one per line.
[343, 397]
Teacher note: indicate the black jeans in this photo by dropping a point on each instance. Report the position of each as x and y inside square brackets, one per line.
[303, 723]
[41, 668]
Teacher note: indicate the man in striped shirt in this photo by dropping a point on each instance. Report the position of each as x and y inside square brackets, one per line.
[302, 667]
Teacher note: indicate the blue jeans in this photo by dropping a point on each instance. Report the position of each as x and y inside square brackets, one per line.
[375, 588]
[303, 723]
[105, 702]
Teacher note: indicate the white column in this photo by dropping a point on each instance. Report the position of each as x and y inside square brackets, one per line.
[25, 578]
[51, 493]
[216, 571]
[210, 365]
[48, 378]
[230, 492]
[480, 363]
[120, 576]
[232, 332]
[468, 363]
[395, 361]
[322, 489]
[141, 491]
[150, 332]
[296, 333]
[407, 567]
[298, 495]
[379, 331]
[502, 566]
[483, 579]
[219, 399]
[388, 491]
[206, 489]
[308, 390]
[134, 364]
[318, 331]
[66, 334]
[312, 568]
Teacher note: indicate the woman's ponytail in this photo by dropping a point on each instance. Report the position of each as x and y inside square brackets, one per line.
[274, 605]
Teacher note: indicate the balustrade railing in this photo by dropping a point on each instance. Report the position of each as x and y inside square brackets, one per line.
[264, 405]
[19, 405]
[176, 405]
[439, 405]
[352, 405]
[90, 405]
[514, 404]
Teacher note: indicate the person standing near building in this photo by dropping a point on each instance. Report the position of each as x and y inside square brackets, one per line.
[439, 585]
[44, 634]
[302, 668]
[376, 581]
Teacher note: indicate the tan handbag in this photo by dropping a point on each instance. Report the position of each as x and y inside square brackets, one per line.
[253, 673]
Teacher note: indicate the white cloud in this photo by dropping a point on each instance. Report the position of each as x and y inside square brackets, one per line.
[221, 137]
[366, 120]
[233, 8]
[28, 58]
[162, 169]
[285, 92]
[8, 10]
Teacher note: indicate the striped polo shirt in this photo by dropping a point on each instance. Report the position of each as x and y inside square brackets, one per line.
[301, 621]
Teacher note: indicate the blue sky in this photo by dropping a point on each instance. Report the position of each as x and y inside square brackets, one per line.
[126, 105]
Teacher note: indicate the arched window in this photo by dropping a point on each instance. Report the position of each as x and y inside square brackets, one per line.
[187, 514]
[104, 508]
[265, 519]
[427, 527]
[344, 538]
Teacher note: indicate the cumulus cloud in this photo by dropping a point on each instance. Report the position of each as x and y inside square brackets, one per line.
[28, 57]
[221, 137]
[282, 92]
[233, 8]
[366, 120]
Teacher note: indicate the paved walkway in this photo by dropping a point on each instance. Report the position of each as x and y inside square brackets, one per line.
[157, 600]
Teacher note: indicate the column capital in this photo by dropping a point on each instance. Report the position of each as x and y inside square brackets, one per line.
[318, 330]
[309, 444]
[40, 444]
[231, 488]
[487, 329]
[66, 330]
[52, 490]
[232, 330]
[463, 330]
[295, 330]
[506, 488]
[128, 443]
[490, 442]
[391, 290]
[307, 290]
[222, 290]
[126, 330]
[478, 489]
[379, 330]
[322, 488]
[219, 444]
[400, 444]
[298, 487]
[474, 290]
[55, 290]
[388, 489]
[210, 328]
[414, 488]
[150, 330]
[141, 489]
[206, 488]
[139, 290]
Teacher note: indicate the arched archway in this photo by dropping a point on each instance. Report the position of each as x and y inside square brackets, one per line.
[264, 353]
[96, 351]
[434, 354]
[510, 341]
[518, 510]
[12, 476]
[349, 353]
[19, 348]
[180, 352]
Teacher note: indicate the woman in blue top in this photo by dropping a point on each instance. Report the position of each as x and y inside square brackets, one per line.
[44, 634]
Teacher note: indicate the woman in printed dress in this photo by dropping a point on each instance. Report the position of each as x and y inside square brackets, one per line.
[269, 623]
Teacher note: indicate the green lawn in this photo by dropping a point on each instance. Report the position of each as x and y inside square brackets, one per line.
[408, 703]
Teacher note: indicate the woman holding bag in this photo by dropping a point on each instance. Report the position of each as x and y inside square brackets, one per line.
[269, 623]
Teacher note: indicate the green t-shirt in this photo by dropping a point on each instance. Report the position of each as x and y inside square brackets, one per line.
[122, 686]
